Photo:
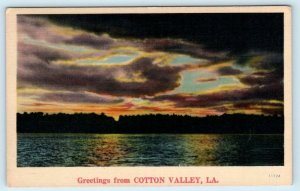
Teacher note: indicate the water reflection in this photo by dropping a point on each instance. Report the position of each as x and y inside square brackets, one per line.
[200, 149]
[148, 150]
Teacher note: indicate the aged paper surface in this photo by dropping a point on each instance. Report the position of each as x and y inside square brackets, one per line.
[149, 96]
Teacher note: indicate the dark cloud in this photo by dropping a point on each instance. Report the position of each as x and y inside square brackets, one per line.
[272, 111]
[269, 72]
[95, 41]
[269, 108]
[183, 47]
[251, 103]
[39, 104]
[273, 91]
[38, 29]
[270, 91]
[270, 61]
[35, 60]
[267, 81]
[224, 71]
[234, 32]
[206, 79]
[42, 29]
[77, 97]
[36, 69]
[260, 78]
[42, 53]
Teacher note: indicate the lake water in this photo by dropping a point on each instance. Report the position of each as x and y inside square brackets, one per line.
[42, 150]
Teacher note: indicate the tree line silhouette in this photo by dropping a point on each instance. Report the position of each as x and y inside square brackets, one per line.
[39, 122]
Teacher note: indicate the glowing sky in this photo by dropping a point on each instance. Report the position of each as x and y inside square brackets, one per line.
[83, 64]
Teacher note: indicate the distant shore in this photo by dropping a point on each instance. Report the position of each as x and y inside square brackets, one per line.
[151, 123]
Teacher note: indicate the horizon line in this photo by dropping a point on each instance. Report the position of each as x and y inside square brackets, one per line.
[173, 114]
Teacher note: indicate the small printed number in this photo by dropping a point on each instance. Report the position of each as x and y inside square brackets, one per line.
[274, 175]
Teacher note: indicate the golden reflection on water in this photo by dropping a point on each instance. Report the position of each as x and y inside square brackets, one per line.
[201, 149]
[106, 149]
[111, 149]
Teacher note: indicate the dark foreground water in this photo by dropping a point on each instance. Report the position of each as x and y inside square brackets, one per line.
[36, 150]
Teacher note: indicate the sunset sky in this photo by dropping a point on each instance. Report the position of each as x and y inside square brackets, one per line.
[194, 64]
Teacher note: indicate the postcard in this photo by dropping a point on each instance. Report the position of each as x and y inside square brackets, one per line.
[149, 96]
